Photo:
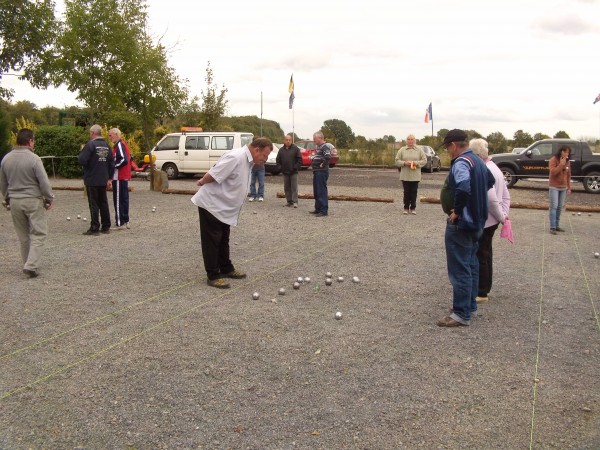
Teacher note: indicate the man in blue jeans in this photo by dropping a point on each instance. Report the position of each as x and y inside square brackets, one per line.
[320, 169]
[258, 175]
[469, 181]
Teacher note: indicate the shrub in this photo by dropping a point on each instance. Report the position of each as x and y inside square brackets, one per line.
[64, 144]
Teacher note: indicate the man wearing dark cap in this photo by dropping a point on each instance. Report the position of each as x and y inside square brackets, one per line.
[469, 181]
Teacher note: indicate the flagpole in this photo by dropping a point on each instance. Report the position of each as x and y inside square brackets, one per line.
[261, 113]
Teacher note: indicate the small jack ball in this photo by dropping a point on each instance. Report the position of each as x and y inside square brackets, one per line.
[356, 279]
[255, 296]
[281, 291]
[338, 316]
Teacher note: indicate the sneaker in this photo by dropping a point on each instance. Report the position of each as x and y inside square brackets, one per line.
[313, 212]
[288, 204]
[560, 229]
[260, 199]
[235, 274]
[105, 230]
[481, 298]
[295, 205]
[251, 199]
[405, 211]
[30, 273]
[219, 283]
[412, 211]
[449, 322]
[127, 225]
[321, 214]
[552, 230]
[91, 232]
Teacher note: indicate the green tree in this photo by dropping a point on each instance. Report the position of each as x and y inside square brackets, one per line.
[497, 143]
[4, 132]
[561, 134]
[540, 136]
[214, 104]
[521, 139]
[27, 30]
[339, 132]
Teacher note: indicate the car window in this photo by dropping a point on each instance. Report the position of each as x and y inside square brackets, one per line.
[542, 150]
[246, 139]
[222, 142]
[196, 142]
[169, 143]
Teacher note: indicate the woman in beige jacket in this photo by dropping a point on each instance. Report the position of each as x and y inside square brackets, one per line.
[409, 161]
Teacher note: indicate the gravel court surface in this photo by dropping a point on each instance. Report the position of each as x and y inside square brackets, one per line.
[238, 373]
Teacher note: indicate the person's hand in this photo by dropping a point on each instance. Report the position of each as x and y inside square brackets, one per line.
[568, 190]
[453, 217]
[199, 182]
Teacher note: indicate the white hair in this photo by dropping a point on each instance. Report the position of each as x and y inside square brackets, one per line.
[96, 130]
[479, 146]
[116, 131]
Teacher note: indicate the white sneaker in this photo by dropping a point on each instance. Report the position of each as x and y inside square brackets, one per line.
[127, 225]
[251, 199]
[260, 199]
[295, 205]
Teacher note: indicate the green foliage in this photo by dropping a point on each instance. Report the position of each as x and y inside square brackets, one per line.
[540, 136]
[4, 133]
[252, 124]
[213, 105]
[338, 133]
[125, 121]
[522, 139]
[496, 142]
[561, 134]
[64, 143]
[27, 30]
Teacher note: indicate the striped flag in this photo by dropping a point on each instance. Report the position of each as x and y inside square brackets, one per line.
[597, 99]
[428, 114]
[291, 91]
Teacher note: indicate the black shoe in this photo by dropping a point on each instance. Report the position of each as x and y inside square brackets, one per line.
[562, 230]
[91, 232]
[314, 212]
[30, 273]
[105, 230]
[321, 214]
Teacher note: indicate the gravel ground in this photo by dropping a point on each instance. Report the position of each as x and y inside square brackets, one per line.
[121, 344]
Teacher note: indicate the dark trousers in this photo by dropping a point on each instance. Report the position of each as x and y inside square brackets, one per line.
[98, 205]
[485, 256]
[214, 238]
[121, 201]
[320, 178]
[410, 194]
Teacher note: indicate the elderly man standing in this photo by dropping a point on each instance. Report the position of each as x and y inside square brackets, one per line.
[498, 207]
[320, 169]
[223, 190]
[121, 177]
[26, 191]
[409, 161]
[469, 181]
[289, 159]
[98, 169]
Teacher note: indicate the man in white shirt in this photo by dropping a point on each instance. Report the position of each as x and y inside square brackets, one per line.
[223, 190]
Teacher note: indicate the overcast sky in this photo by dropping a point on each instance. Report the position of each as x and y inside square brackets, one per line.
[485, 65]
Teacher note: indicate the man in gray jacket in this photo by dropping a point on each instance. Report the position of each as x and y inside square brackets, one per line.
[27, 193]
[289, 159]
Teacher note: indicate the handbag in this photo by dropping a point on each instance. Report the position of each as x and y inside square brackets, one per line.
[506, 231]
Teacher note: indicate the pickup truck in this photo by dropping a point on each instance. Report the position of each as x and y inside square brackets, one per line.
[533, 163]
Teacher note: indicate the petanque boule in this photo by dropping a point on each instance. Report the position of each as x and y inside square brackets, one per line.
[338, 316]
[596, 255]
[307, 279]
[281, 291]
[340, 279]
[578, 213]
[255, 296]
[328, 281]
[328, 275]
[296, 285]
[68, 218]
[300, 279]
[356, 279]
[79, 216]
[84, 219]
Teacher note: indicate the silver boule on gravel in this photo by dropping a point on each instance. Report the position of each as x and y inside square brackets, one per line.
[328, 275]
[281, 291]
[300, 279]
[84, 219]
[79, 216]
[255, 296]
[296, 285]
[68, 218]
[356, 279]
[596, 255]
[307, 279]
[340, 279]
[338, 316]
[578, 213]
[328, 281]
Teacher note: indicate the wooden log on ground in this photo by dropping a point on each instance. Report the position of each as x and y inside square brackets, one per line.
[522, 205]
[344, 198]
[180, 191]
[80, 188]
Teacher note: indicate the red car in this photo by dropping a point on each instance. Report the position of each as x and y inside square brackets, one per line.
[307, 149]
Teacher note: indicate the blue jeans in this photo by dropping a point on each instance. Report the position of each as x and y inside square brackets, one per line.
[257, 175]
[463, 270]
[320, 178]
[557, 201]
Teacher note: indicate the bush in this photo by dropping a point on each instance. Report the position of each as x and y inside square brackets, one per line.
[64, 143]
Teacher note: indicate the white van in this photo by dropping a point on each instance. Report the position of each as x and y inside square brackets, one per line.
[192, 152]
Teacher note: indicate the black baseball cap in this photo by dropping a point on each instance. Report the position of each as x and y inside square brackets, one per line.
[455, 135]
